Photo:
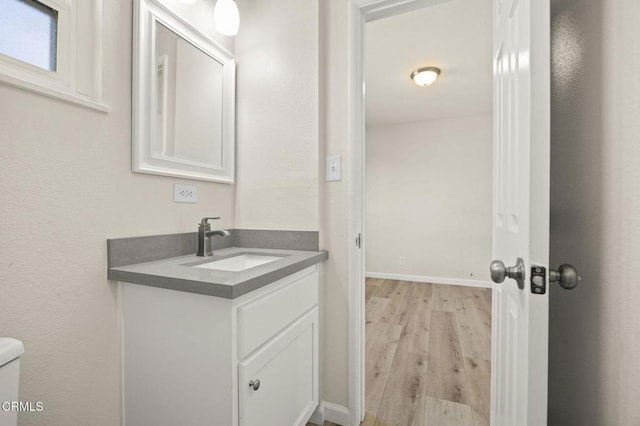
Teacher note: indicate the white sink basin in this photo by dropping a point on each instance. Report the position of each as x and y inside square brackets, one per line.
[238, 263]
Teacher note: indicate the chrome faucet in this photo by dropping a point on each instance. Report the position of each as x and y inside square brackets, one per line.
[204, 236]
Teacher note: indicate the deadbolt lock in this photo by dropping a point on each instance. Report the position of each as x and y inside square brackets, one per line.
[538, 279]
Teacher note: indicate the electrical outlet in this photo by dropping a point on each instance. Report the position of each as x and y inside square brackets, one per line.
[402, 260]
[185, 193]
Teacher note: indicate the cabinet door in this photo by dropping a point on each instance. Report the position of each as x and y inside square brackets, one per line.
[287, 368]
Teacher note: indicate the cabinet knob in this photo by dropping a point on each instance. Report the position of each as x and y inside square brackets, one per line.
[254, 384]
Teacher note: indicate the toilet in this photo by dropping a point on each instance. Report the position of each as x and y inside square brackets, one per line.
[10, 352]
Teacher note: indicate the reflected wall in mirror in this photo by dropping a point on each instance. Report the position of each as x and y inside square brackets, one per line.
[184, 99]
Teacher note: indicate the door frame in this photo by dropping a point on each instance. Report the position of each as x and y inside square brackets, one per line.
[361, 12]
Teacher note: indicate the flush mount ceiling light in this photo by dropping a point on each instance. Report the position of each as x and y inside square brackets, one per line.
[425, 76]
[226, 17]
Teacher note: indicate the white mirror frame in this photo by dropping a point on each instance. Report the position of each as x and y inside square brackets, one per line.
[147, 13]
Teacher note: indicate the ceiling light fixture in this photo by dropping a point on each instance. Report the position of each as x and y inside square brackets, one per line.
[226, 17]
[425, 76]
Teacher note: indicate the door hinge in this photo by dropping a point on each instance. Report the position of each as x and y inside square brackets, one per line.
[359, 241]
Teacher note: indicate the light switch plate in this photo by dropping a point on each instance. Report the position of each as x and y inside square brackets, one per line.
[334, 168]
[185, 193]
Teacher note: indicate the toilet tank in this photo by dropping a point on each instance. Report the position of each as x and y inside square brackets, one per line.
[10, 351]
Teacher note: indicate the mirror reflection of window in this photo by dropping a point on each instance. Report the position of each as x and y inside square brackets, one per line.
[188, 122]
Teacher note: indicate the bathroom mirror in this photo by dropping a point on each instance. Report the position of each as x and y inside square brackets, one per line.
[184, 99]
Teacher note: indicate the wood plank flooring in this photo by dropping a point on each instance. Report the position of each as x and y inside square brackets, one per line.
[439, 339]
[440, 373]
[428, 354]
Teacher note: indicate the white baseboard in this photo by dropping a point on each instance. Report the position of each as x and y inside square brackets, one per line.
[329, 412]
[433, 280]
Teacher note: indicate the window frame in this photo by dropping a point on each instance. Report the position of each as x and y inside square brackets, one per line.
[63, 82]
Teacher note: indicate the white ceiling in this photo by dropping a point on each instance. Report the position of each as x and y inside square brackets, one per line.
[454, 36]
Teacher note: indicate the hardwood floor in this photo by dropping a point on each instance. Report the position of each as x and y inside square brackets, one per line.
[428, 354]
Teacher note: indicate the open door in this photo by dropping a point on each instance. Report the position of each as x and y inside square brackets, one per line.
[521, 69]
[520, 323]
[520, 331]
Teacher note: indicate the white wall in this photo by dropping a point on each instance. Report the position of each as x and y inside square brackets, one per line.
[335, 201]
[67, 186]
[280, 110]
[277, 115]
[594, 376]
[428, 198]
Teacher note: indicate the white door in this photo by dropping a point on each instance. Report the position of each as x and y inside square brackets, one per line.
[521, 51]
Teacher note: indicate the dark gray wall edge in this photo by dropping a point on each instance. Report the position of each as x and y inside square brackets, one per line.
[129, 251]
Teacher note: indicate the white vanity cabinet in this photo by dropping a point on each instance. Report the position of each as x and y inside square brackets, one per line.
[202, 360]
[279, 378]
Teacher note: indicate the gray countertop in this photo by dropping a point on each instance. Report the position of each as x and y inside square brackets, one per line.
[179, 273]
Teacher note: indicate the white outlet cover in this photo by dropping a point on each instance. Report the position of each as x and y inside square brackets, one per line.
[334, 168]
[185, 193]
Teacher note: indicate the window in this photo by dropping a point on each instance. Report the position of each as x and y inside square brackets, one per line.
[53, 47]
[28, 32]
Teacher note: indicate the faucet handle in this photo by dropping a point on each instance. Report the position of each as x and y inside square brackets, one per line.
[204, 220]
